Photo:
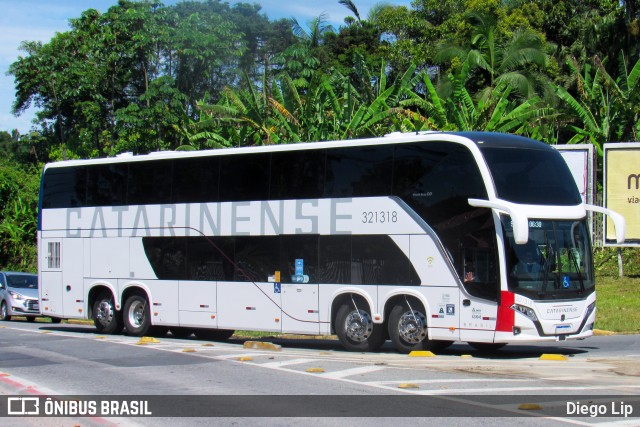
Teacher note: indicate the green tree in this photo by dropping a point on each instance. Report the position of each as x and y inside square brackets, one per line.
[18, 216]
[519, 60]
[300, 60]
[459, 110]
[605, 109]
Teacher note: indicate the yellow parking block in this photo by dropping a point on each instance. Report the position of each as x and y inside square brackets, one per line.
[558, 357]
[421, 354]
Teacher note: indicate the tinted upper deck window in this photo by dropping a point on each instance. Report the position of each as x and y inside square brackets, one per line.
[297, 174]
[149, 182]
[532, 176]
[64, 187]
[196, 180]
[245, 177]
[107, 185]
[359, 171]
[437, 179]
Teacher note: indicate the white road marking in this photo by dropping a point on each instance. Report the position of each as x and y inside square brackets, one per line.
[238, 355]
[353, 371]
[623, 423]
[282, 363]
[474, 391]
[444, 381]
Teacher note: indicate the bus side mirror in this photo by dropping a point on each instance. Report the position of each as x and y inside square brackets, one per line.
[618, 220]
[519, 219]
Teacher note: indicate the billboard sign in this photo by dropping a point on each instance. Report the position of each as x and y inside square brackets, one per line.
[622, 190]
[579, 158]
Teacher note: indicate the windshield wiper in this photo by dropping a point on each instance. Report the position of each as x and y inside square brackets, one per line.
[547, 266]
[572, 256]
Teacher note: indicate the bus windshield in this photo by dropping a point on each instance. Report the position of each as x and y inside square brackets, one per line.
[554, 264]
[531, 176]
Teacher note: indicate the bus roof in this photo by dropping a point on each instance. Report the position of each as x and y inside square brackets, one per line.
[481, 139]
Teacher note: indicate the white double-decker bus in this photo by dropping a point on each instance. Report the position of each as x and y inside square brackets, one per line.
[424, 239]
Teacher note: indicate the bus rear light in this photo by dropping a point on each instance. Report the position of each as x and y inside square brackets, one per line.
[527, 311]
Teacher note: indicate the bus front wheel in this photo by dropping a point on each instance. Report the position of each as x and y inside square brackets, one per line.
[136, 315]
[105, 317]
[356, 329]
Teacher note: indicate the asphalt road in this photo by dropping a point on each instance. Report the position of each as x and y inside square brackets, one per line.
[315, 381]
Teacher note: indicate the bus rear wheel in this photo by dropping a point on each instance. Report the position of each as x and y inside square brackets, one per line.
[105, 317]
[408, 329]
[136, 315]
[356, 330]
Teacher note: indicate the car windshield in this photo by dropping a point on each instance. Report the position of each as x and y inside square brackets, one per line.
[554, 264]
[22, 281]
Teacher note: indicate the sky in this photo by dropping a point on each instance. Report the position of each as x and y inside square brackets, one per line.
[40, 20]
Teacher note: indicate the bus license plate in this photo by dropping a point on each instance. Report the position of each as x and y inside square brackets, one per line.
[562, 329]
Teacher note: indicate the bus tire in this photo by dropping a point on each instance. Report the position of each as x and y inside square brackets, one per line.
[356, 330]
[408, 329]
[137, 315]
[214, 334]
[106, 318]
[55, 320]
[486, 347]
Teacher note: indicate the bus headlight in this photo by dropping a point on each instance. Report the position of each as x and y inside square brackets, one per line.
[590, 309]
[527, 311]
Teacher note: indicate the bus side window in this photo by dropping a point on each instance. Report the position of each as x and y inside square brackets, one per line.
[256, 258]
[244, 177]
[478, 267]
[149, 183]
[107, 185]
[359, 171]
[195, 180]
[64, 187]
[297, 175]
[302, 247]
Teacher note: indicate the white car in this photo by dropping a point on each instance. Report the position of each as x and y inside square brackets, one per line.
[19, 295]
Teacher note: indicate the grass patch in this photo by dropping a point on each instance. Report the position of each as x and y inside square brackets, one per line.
[618, 304]
[255, 334]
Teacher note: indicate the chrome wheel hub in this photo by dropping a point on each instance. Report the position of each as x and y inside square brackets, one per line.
[136, 314]
[105, 313]
[412, 327]
[358, 326]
